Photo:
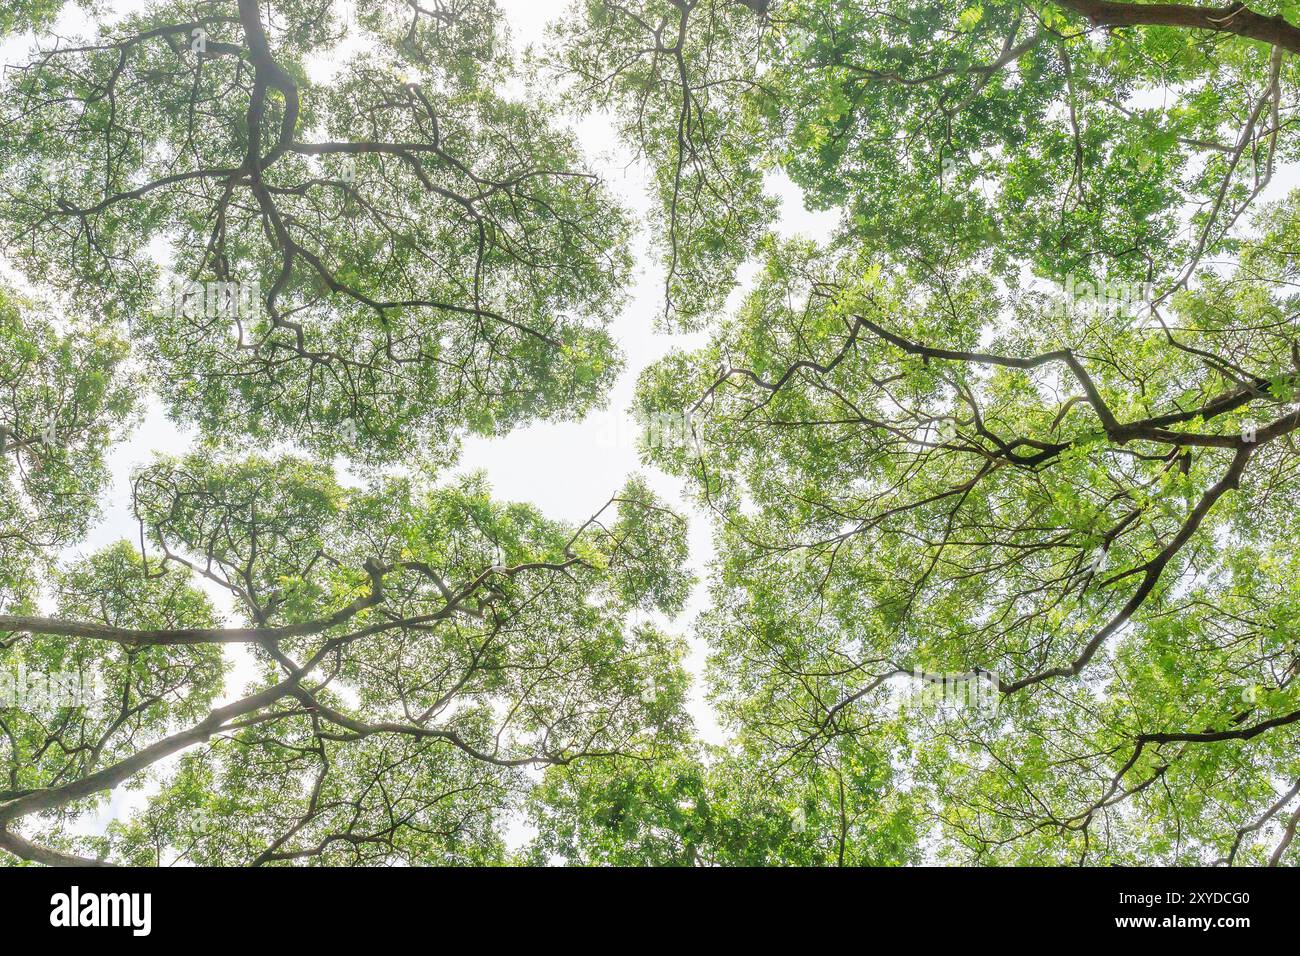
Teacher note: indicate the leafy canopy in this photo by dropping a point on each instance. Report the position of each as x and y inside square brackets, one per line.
[1024, 424]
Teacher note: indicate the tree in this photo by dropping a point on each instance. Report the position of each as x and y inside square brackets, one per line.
[367, 265]
[1023, 429]
[416, 646]
[66, 396]
[1002, 473]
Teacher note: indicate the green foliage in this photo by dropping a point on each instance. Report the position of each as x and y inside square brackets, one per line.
[65, 395]
[1023, 425]
[415, 253]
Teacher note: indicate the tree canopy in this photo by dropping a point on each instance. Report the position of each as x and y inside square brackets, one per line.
[1001, 472]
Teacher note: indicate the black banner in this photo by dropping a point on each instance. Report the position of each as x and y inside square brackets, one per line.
[148, 907]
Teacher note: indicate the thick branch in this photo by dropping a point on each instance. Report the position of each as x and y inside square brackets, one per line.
[26, 850]
[1234, 18]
